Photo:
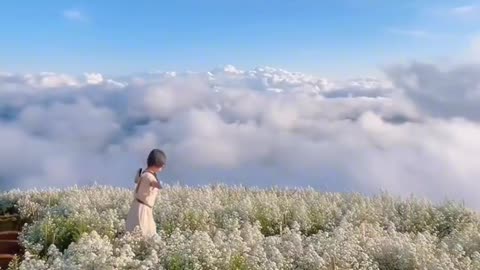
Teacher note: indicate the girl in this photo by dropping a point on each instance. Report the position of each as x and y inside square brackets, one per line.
[140, 213]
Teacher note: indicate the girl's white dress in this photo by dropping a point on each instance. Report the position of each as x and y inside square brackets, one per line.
[141, 213]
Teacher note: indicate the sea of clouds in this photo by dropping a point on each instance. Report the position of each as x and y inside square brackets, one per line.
[416, 132]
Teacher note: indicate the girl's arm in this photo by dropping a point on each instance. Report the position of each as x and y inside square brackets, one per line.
[156, 184]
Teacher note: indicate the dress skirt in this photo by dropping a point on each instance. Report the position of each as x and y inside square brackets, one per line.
[142, 216]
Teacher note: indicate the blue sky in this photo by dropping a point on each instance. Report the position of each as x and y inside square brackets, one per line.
[343, 38]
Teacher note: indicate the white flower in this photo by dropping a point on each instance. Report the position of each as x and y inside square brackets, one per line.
[221, 227]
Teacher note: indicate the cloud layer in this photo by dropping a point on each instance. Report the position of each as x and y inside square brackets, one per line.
[75, 15]
[416, 133]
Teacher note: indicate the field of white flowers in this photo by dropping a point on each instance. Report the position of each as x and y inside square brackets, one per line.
[221, 227]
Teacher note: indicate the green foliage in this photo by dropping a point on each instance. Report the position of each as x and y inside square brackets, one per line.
[179, 262]
[59, 231]
[240, 228]
[7, 207]
[238, 262]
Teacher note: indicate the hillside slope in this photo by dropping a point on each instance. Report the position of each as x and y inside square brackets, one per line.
[221, 227]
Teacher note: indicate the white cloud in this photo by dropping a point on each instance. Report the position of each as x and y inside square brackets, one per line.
[53, 80]
[75, 15]
[441, 92]
[94, 78]
[465, 11]
[406, 136]
[416, 33]
[474, 49]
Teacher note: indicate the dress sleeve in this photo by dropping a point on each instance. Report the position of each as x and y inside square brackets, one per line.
[144, 187]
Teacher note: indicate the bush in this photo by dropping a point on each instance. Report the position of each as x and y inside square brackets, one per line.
[220, 227]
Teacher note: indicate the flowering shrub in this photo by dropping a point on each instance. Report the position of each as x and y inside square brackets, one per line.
[220, 227]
